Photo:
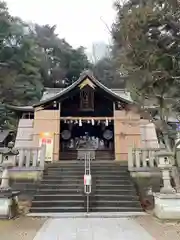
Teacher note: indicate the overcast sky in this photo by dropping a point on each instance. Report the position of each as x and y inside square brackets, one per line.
[78, 21]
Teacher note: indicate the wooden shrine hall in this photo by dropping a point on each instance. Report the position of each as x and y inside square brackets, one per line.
[85, 112]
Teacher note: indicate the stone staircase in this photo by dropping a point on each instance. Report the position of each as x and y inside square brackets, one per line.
[62, 190]
[113, 189]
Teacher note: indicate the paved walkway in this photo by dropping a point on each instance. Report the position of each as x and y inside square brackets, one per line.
[92, 229]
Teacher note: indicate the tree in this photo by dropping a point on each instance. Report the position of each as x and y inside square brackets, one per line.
[60, 61]
[146, 46]
[20, 78]
[106, 72]
[33, 57]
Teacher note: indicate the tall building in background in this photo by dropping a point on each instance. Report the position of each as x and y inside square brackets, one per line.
[98, 51]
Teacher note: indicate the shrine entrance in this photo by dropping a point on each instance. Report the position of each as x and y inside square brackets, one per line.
[76, 134]
[87, 116]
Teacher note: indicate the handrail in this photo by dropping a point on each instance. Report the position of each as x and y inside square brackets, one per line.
[87, 169]
[87, 176]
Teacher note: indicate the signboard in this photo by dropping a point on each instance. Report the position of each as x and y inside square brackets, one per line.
[47, 138]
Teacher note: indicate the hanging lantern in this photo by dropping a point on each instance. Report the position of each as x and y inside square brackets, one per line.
[107, 123]
[103, 126]
[71, 125]
[88, 121]
[80, 122]
[92, 122]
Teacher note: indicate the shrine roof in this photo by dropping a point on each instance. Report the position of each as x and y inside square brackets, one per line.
[20, 108]
[54, 94]
[51, 92]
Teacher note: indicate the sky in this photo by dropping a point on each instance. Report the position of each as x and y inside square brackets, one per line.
[80, 22]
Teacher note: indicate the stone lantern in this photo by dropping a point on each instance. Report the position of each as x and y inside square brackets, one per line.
[9, 156]
[8, 198]
[167, 201]
[165, 165]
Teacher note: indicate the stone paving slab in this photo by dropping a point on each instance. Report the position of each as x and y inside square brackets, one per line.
[160, 229]
[20, 229]
[92, 229]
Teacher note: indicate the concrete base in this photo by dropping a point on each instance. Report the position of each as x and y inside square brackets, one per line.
[88, 215]
[8, 204]
[167, 206]
[18, 173]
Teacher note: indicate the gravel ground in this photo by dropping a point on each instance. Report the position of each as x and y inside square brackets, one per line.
[23, 228]
[160, 230]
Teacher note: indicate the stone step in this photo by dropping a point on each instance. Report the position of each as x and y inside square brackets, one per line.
[114, 197]
[80, 182]
[118, 191]
[56, 209]
[94, 176]
[59, 203]
[61, 186]
[80, 166]
[112, 181]
[62, 171]
[93, 171]
[82, 209]
[60, 191]
[73, 203]
[116, 209]
[78, 196]
[110, 177]
[119, 203]
[62, 179]
[100, 185]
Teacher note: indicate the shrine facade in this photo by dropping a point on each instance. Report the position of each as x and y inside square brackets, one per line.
[84, 115]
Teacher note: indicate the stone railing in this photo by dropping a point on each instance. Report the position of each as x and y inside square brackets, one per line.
[31, 157]
[178, 157]
[143, 159]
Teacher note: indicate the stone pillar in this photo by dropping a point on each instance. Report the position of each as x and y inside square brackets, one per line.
[42, 156]
[5, 180]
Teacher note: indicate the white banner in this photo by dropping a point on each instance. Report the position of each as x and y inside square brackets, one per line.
[47, 138]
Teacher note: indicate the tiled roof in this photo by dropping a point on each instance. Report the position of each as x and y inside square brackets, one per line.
[51, 92]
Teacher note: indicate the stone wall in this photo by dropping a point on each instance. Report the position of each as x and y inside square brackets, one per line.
[47, 121]
[126, 133]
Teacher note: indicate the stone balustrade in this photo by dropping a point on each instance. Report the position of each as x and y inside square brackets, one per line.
[31, 157]
[140, 159]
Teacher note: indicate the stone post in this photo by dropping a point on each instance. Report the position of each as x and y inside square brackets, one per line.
[165, 167]
[42, 155]
[5, 180]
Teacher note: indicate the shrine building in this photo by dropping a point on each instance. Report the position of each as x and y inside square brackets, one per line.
[87, 111]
